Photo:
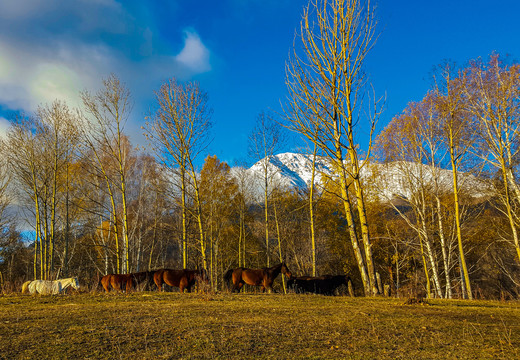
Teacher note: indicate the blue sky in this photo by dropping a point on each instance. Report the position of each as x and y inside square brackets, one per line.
[236, 49]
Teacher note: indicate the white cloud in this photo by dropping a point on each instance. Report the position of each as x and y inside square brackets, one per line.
[30, 77]
[194, 55]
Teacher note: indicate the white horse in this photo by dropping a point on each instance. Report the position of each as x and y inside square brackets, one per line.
[49, 287]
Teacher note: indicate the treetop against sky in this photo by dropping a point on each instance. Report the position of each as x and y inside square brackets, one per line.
[236, 49]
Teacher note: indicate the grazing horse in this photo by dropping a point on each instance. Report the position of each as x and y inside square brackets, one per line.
[257, 277]
[183, 279]
[325, 284]
[143, 277]
[49, 287]
[25, 287]
[121, 281]
[118, 282]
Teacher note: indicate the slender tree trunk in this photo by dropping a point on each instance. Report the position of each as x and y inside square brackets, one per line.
[464, 268]
[35, 268]
[448, 293]
[154, 238]
[266, 213]
[240, 236]
[279, 243]
[245, 236]
[426, 274]
[46, 237]
[126, 248]
[184, 215]
[509, 211]
[37, 228]
[67, 223]
[202, 244]
[54, 202]
[352, 230]
[311, 211]
[429, 250]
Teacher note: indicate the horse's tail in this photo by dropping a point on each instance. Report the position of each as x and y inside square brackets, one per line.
[228, 275]
[25, 287]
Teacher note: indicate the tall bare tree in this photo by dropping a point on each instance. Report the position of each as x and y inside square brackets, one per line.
[458, 135]
[179, 131]
[327, 86]
[24, 161]
[493, 95]
[107, 113]
[411, 143]
[265, 141]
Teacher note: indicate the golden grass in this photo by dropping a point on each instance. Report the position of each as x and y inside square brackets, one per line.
[261, 326]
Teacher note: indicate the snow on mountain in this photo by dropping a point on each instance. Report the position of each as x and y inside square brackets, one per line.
[387, 181]
[290, 169]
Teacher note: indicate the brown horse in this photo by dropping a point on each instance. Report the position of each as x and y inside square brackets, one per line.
[117, 282]
[326, 284]
[183, 279]
[257, 277]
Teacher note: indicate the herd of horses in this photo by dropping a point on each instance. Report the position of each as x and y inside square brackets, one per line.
[186, 279]
[183, 279]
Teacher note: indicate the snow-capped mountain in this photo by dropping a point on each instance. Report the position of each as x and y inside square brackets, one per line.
[386, 181]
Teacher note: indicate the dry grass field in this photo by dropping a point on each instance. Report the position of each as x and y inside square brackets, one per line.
[253, 326]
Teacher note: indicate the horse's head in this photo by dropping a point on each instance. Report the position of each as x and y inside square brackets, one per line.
[75, 283]
[286, 271]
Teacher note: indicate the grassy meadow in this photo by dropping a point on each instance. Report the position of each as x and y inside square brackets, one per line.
[151, 325]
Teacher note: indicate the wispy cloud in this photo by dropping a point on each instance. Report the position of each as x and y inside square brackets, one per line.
[52, 50]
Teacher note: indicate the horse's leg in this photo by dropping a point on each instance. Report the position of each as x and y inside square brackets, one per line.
[238, 286]
[267, 285]
[116, 283]
[237, 280]
[105, 282]
[129, 285]
[183, 284]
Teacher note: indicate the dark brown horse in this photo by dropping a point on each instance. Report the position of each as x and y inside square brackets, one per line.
[257, 277]
[326, 284]
[183, 279]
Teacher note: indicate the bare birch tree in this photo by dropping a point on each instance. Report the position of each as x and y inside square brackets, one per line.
[457, 137]
[327, 86]
[265, 141]
[108, 111]
[494, 99]
[179, 131]
[411, 144]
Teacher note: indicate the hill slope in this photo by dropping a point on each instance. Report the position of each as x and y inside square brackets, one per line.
[386, 181]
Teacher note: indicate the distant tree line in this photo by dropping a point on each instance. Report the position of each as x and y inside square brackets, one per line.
[96, 204]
